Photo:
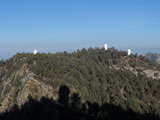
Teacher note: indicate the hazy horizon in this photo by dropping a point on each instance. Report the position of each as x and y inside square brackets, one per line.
[5, 56]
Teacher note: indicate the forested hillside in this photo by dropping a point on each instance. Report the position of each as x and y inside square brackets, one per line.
[112, 77]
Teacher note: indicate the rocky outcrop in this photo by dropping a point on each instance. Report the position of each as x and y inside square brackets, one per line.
[24, 87]
[150, 73]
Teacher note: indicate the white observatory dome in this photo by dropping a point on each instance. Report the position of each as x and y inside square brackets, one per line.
[105, 46]
[129, 52]
[35, 52]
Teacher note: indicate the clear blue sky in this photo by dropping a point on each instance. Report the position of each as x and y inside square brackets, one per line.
[58, 25]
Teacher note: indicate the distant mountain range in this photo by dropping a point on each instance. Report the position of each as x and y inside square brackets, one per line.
[154, 57]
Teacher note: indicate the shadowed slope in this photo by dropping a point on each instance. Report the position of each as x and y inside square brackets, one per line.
[49, 109]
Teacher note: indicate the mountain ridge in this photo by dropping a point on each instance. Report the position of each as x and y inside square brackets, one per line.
[95, 74]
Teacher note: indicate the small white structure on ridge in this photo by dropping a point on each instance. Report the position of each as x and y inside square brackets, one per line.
[105, 46]
[35, 52]
[129, 52]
